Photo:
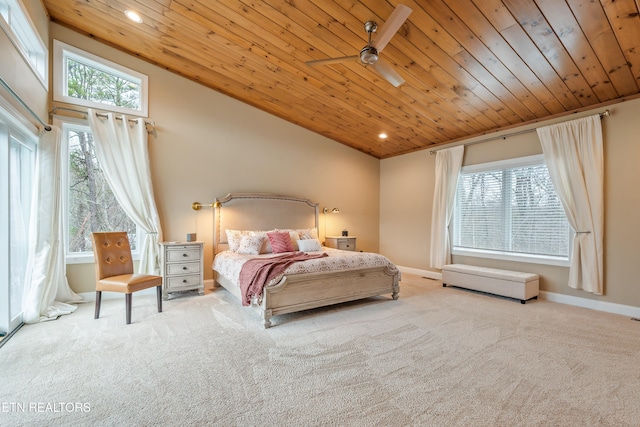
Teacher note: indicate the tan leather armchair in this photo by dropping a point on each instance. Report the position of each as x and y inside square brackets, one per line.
[114, 270]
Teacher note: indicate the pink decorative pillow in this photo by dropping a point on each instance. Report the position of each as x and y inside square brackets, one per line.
[280, 241]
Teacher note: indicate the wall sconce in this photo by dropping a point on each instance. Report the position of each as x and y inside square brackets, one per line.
[327, 210]
[197, 206]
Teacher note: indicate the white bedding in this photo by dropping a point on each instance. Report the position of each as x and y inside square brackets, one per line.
[229, 264]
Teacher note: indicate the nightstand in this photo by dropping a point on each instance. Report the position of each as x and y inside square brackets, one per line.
[181, 266]
[341, 242]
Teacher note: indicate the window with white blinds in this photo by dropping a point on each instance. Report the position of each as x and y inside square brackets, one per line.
[510, 210]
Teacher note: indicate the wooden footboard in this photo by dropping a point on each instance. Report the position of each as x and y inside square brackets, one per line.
[306, 291]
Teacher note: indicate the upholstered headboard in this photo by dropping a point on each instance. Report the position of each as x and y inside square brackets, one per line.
[261, 211]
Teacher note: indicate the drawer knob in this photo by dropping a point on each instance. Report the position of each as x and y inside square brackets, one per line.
[185, 255]
[184, 281]
[184, 268]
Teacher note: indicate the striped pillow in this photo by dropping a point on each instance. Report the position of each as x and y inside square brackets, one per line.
[308, 233]
[280, 241]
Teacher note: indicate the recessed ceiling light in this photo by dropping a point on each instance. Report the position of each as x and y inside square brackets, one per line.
[382, 135]
[134, 16]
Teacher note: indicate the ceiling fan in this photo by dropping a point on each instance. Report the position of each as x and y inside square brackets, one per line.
[369, 55]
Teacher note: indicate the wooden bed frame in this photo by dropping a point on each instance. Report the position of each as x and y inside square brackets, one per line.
[263, 211]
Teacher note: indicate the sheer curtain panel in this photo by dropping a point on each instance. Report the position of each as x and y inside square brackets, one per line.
[574, 155]
[122, 151]
[47, 293]
[448, 165]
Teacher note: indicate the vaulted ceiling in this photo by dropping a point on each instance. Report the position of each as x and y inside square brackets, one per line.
[470, 67]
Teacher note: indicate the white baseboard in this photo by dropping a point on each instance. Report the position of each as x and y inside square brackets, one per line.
[609, 307]
[424, 273]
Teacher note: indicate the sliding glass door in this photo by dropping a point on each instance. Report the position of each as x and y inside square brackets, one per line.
[17, 168]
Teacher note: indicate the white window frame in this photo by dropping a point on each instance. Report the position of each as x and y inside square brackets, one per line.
[62, 51]
[510, 256]
[19, 127]
[64, 123]
[19, 28]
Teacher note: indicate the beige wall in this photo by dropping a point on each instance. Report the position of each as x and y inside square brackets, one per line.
[17, 73]
[407, 190]
[207, 144]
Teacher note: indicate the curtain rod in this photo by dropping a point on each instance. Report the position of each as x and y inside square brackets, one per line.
[56, 108]
[24, 104]
[505, 136]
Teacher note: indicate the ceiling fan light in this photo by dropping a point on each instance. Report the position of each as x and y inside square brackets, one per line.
[369, 55]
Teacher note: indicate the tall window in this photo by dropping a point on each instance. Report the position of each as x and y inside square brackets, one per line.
[15, 22]
[510, 210]
[17, 164]
[91, 205]
[85, 79]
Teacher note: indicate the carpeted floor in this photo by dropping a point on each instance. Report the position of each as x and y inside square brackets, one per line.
[436, 357]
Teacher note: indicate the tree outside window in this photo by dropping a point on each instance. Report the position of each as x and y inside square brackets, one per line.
[92, 205]
[84, 79]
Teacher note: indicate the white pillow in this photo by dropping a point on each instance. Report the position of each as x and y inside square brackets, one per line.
[308, 233]
[250, 245]
[266, 246]
[233, 239]
[309, 245]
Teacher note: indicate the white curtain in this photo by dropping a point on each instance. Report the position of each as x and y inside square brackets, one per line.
[448, 164]
[574, 155]
[47, 293]
[122, 151]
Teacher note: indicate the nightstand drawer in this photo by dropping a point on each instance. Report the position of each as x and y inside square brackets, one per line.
[346, 245]
[341, 242]
[183, 268]
[177, 282]
[185, 254]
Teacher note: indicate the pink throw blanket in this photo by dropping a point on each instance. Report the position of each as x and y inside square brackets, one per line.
[256, 273]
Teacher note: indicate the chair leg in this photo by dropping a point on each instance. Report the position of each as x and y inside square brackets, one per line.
[127, 300]
[159, 294]
[98, 301]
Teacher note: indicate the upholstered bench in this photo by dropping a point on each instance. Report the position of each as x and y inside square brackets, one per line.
[512, 284]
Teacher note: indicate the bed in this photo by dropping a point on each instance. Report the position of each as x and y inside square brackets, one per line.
[333, 277]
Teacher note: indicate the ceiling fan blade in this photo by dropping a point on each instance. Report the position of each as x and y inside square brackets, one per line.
[388, 72]
[333, 60]
[391, 26]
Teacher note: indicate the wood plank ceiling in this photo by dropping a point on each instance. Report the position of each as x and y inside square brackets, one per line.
[471, 67]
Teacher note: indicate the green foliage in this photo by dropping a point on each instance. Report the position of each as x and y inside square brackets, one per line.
[92, 204]
[92, 84]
